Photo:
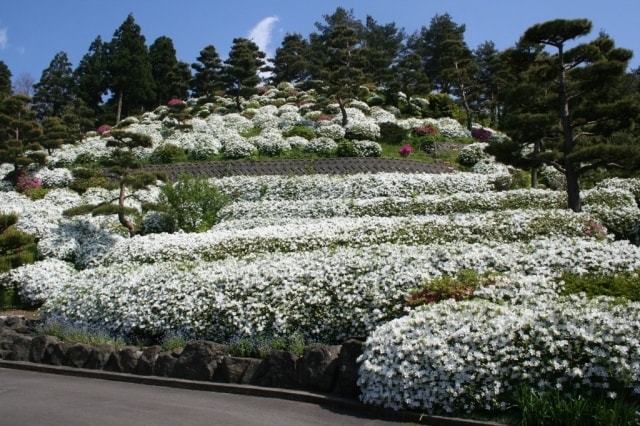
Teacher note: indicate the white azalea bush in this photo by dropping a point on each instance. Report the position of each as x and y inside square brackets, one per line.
[462, 356]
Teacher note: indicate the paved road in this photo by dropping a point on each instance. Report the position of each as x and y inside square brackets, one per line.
[34, 398]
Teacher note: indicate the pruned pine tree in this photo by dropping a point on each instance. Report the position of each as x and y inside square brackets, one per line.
[291, 61]
[581, 120]
[207, 79]
[124, 167]
[20, 133]
[241, 69]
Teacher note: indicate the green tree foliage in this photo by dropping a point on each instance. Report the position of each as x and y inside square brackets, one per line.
[129, 70]
[490, 79]
[193, 202]
[16, 247]
[56, 88]
[5, 80]
[169, 75]
[459, 71]
[580, 112]
[338, 57]
[19, 132]
[124, 167]
[381, 46]
[240, 72]
[90, 77]
[409, 78]
[432, 44]
[291, 63]
[55, 134]
[207, 79]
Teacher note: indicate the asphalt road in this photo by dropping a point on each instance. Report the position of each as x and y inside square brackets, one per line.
[35, 398]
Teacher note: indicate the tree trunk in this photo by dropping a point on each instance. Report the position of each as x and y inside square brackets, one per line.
[121, 216]
[119, 108]
[343, 110]
[573, 188]
[534, 177]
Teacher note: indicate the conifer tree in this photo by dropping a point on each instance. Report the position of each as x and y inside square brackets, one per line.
[56, 88]
[240, 72]
[5, 80]
[129, 70]
[579, 118]
[207, 79]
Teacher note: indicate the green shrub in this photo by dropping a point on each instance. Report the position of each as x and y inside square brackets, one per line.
[303, 131]
[193, 203]
[622, 284]
[346, 148]
[168, 154]
[392, 133]
[89, 178]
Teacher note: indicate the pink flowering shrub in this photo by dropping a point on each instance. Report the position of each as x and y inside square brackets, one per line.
[105, 128]
[481, 134]
[26, 182]
[426, 130]
[595, 230]
[174, 102]
[405, 150]
[458, 287]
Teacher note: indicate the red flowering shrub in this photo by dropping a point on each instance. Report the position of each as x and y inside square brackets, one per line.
[174, 102]
[426, 130]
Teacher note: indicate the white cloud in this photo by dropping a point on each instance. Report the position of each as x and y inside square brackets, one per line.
[4, 39]
[262, 32]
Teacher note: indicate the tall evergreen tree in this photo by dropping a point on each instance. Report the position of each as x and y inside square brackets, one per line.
[381, 47]
[129, 70]
[338, 57]
[90, 77]
[207, 79]
[5, 80]
[433, 43]
[291, 63]
[490, 79]
[56, 88]
[408, 78]
[170, 77]
[241, 69]
[583, 118]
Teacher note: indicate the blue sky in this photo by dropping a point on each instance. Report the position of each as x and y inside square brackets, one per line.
[33, 31]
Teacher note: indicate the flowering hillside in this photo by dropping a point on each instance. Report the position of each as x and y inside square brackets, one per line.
[331, 257]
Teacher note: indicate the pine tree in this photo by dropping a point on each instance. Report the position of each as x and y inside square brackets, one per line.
[125, 167]
[432, 45]
[90, 77]
[170, 76]
[129, 70]
[56, 88]
[207, 79]
[20, 133]
[240, 73]
[5, 80]
[381, 46]
[579, 111]
[337, 57]
[291, 63]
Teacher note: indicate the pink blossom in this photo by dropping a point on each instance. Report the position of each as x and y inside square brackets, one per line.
[105, 128]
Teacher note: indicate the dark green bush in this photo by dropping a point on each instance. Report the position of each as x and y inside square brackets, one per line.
[193, 203]
[303, 131]
[346, 148]
[392, 133]
[168, 154]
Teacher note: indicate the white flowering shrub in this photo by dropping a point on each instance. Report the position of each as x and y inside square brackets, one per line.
[330, 130]
[238, 147]
[461, 356]
[451, 129]
[366, 148]
[322, 146]
[54, 178]
[363, 129]
[472, 153]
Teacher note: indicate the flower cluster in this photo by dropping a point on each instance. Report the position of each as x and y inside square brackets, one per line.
[405, 150]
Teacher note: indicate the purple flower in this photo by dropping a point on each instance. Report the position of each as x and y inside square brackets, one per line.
[105, 128]
[174, 102]
[405, 150]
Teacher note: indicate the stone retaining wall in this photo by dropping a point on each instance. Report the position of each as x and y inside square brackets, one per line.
[327, 369]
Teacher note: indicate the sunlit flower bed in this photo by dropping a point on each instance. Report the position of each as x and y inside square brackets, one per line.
[332, 257]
